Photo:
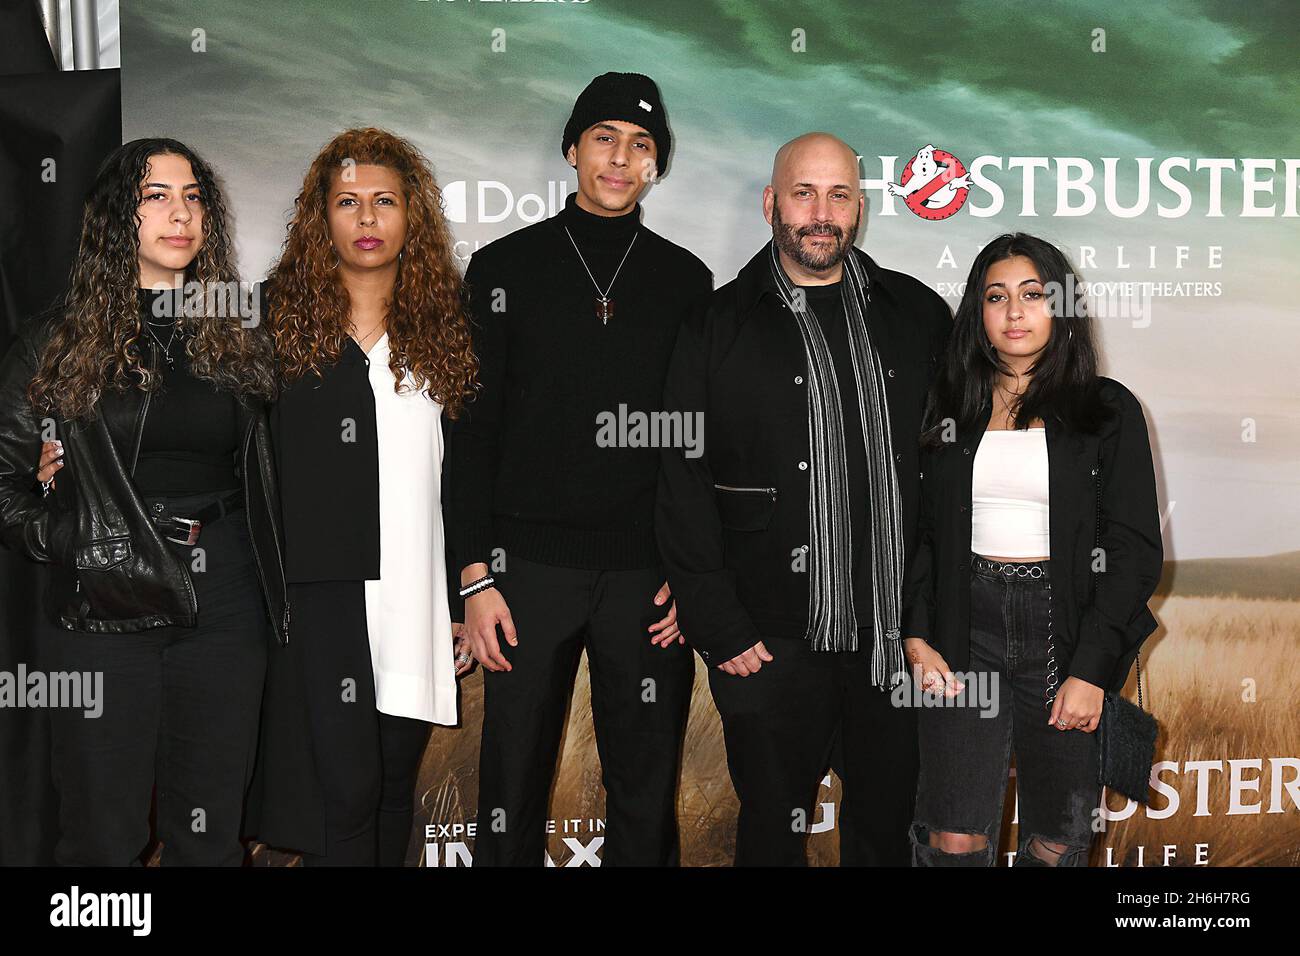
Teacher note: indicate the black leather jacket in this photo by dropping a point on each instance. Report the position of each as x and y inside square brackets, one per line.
[116, 573]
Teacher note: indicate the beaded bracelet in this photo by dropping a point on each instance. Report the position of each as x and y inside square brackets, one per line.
[482, 584]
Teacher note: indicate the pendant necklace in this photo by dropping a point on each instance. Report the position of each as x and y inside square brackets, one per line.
[166, 349]
[363, 343]
[604, 304]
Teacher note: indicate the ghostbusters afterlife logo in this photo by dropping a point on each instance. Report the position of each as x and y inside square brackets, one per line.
[934, 184]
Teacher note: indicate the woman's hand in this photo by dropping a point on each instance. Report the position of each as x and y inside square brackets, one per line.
[51, 462]
[929, 669]
[1077, 706]
[464, 656]
[748, 662]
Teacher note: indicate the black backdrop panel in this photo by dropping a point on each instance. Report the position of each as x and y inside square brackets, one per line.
[75, 120]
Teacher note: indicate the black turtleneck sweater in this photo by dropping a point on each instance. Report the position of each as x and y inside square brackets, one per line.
[525, 470]
[191, 429]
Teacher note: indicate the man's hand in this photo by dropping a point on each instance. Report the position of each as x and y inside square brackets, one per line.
[483, 612]
[668, 626]
[1077, 706]
[742, 665]
[929, 670]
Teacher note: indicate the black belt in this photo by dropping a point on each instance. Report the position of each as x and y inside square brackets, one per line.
[186, 530]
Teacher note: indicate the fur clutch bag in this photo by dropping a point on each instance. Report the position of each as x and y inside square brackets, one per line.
[1128, 746]
[1127, 731]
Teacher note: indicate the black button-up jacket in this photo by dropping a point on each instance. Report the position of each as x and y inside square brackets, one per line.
[1098, 636]
[733, 522]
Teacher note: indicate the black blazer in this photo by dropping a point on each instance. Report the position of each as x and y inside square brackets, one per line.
[730, 553]
[1099, 636]
[327, 451]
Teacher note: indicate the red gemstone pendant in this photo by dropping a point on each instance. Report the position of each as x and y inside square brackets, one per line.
[604, 310]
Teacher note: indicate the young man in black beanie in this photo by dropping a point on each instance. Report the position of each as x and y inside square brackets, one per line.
[551, 493]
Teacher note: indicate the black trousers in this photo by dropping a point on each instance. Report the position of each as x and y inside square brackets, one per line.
[802, 712]
[639, 699]
[180, 711]
[366, 762]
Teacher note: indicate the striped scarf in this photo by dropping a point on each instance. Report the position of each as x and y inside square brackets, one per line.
[832, 621]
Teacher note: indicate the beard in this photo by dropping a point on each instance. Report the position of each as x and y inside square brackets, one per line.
[789, 239]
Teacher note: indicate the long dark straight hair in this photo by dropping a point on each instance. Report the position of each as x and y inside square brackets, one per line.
[1063, 380]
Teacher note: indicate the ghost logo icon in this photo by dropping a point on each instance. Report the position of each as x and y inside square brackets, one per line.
[934, 184]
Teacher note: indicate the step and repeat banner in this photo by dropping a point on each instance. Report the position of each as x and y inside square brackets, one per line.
[1157, 146]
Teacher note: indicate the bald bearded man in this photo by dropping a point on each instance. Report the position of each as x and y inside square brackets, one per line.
[785, 541]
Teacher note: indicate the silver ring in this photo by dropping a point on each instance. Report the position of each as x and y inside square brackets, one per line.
[1060, 723]
[462, 658]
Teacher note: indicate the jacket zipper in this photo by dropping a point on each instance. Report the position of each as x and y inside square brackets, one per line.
[770, 492]
[275, 536]
[135, 460]
[144, 410]
[139, 440]
[279, 556]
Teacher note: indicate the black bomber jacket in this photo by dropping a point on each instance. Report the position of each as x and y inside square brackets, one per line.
[116, 574]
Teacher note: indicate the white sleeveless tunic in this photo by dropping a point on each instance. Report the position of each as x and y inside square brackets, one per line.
[406, 609]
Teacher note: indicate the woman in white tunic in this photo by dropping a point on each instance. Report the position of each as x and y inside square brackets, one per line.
[367, 310]
[408, 621]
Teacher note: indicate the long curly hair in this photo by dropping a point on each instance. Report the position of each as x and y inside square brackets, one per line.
[427, 322]
[95, 343]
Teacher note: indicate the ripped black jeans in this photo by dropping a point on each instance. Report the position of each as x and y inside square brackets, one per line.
[965, 757]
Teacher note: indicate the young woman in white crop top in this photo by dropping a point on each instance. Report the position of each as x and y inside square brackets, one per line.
[1031, 463]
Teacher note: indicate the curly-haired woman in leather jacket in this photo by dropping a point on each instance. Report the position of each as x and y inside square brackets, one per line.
[163, 523]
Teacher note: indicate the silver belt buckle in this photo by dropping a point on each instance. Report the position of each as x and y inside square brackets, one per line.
[193, 537]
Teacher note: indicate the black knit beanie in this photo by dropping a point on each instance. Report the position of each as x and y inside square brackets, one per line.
[630, 97]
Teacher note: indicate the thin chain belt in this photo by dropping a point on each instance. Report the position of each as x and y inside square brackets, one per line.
[1010, 569]
[1028, 570]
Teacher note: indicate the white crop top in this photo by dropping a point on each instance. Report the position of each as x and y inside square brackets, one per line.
[1009, 495]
